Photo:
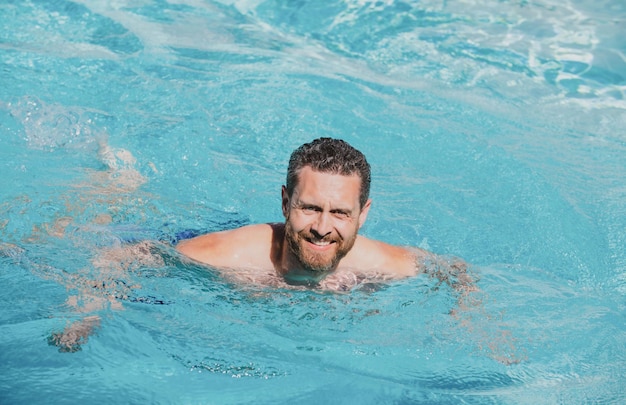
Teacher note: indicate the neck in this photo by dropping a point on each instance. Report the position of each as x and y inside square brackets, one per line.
[304, 277]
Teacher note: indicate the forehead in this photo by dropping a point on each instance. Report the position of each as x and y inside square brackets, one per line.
[314, 187]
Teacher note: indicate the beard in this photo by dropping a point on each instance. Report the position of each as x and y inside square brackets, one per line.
[312, 260]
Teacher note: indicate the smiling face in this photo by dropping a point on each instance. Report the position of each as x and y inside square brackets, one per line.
[323, 216]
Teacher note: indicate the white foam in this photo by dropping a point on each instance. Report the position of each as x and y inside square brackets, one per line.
[50, 126]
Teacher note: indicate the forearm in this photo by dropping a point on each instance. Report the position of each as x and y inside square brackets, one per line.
[449, 270]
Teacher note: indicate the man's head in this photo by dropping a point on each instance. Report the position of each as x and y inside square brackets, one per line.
[325, 203]
[328, 155]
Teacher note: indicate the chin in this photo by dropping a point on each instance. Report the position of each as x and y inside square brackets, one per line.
[319, 268]
[314, 261]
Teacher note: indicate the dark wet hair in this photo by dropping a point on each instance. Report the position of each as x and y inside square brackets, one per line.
[328, 155]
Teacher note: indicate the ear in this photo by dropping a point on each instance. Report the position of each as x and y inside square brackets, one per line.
[285, 202]
[364, 211]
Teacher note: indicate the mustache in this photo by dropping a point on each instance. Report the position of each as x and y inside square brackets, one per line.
[311, 236]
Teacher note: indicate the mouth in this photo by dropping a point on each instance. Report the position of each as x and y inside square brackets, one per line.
[320, 244]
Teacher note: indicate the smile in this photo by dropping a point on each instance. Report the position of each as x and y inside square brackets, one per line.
[320, 243]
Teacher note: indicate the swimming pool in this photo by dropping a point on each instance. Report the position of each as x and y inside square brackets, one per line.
[495, 131]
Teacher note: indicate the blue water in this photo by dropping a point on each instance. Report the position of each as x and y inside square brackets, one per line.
[495, 131]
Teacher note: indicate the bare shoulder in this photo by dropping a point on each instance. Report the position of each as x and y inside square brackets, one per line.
[383, 258]
[246, 246]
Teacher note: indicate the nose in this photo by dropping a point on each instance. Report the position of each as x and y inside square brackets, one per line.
[322, 225]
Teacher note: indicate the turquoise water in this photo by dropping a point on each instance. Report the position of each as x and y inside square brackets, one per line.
[495, 131]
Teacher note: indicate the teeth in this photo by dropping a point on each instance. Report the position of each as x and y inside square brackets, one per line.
[321, 243]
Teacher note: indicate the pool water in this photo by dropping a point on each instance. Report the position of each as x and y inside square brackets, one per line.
[495, 131]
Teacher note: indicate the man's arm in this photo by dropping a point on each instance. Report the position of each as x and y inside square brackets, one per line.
[451, 271]
[413, 261]
[200, 248]
[245, 247]
[403, 262]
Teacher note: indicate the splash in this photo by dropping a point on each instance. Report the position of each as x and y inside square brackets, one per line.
[53, 126]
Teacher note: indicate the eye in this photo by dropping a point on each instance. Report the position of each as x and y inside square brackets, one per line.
[341, 214]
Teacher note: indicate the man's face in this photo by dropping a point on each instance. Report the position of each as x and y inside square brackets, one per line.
[323, 217]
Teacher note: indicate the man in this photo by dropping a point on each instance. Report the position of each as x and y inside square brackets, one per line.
[325, 202]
